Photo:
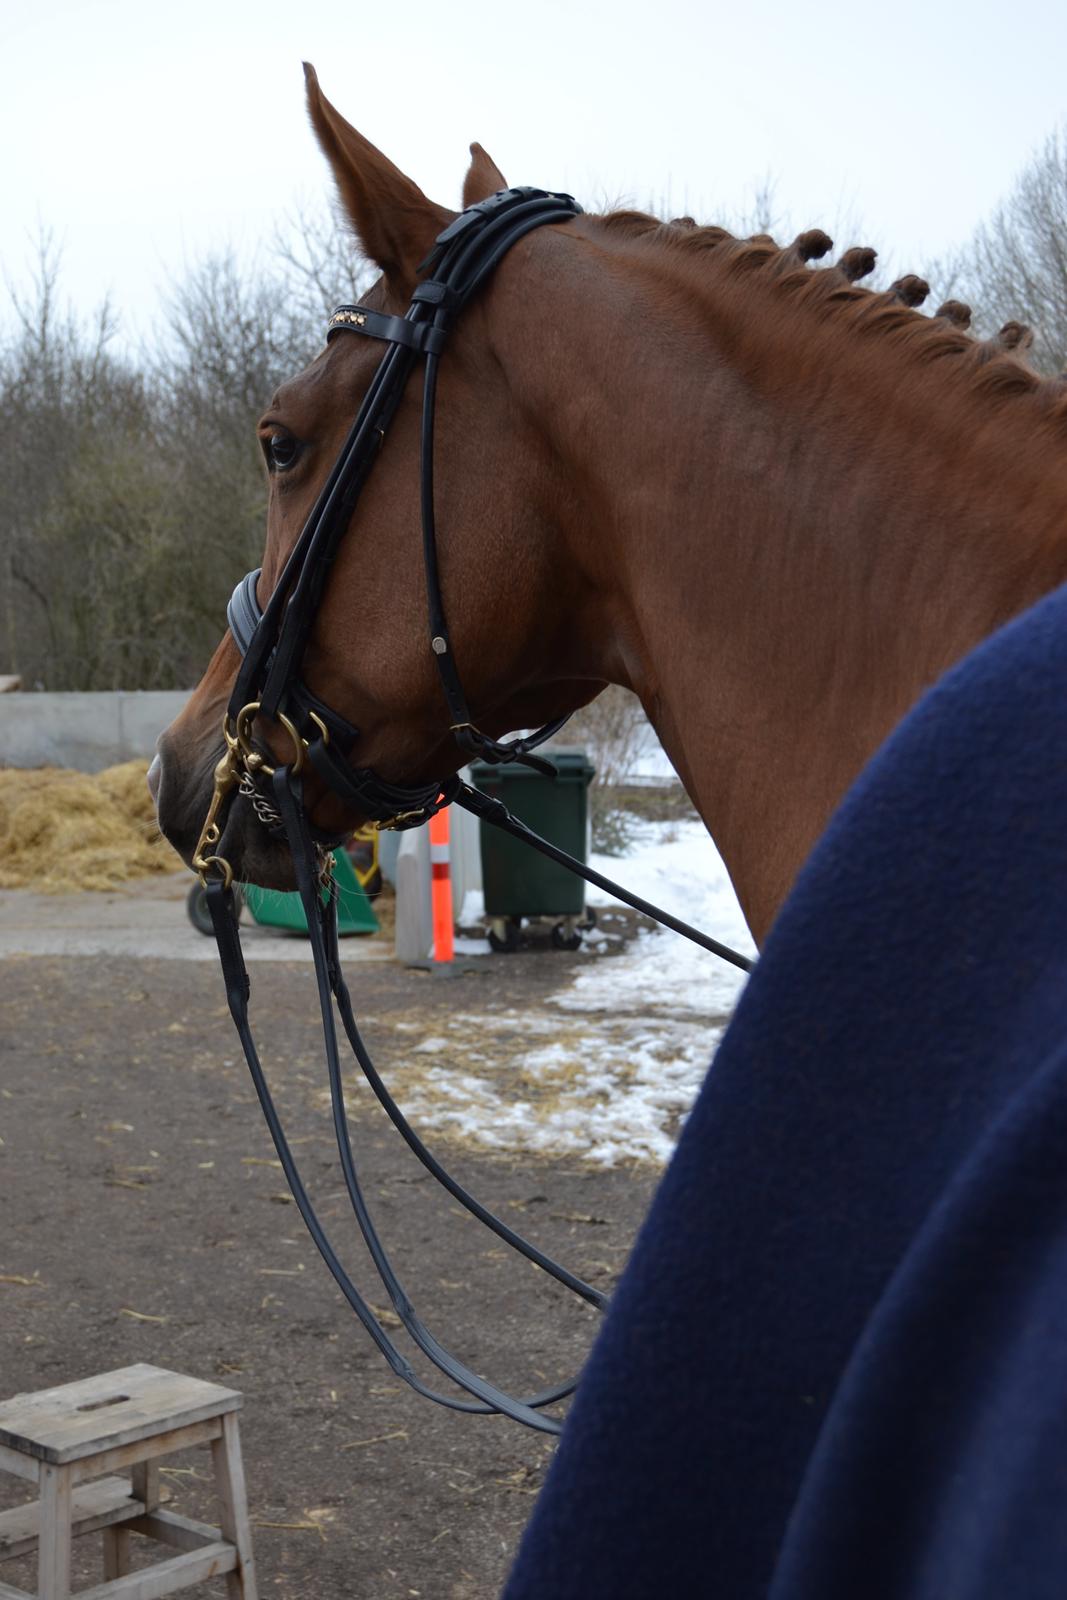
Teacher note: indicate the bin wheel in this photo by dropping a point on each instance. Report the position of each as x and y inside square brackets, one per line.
[504, 935]
[565, 936]
[196, 905]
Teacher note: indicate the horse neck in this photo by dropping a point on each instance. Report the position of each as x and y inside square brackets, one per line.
[793, 533]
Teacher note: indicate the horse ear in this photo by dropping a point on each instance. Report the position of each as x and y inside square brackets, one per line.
[395, 221]
[483, 178]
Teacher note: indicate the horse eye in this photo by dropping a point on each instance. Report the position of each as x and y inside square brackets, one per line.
[282, 451]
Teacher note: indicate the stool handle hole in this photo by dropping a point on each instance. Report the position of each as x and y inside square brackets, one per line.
[98, 1405]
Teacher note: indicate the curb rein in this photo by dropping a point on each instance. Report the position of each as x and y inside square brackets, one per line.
[272, 642]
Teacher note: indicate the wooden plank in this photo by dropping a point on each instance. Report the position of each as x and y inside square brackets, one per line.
[146, 1483]
[53, 1546]
[18, 1465]
[151, 1583]
[9, 1592]
[116, 1551]
[107, 1411]
[230, 1485]
[164, 1444]
[181, 1533]
[93, 1506]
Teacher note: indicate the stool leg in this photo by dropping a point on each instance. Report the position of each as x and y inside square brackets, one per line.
[145, 1485]
[230, 1481]
[53, 1569]
[116, 1551]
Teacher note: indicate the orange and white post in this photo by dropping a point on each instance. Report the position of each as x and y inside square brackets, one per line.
[441, 887]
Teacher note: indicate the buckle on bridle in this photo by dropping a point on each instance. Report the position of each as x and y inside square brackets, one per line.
[403, 819]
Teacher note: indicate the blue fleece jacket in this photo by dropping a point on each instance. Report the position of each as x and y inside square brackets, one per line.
[836, 1365]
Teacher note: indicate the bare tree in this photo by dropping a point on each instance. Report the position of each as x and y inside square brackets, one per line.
[67, 399]
[321, 262]
[134, 489]
[615, 732]
[1015, 266]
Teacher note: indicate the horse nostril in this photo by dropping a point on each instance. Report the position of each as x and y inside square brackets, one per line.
[153, 776]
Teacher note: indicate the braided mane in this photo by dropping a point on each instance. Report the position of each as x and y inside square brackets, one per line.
[992, 368]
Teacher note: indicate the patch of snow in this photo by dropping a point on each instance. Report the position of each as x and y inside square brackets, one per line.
[621, 1100]
[676, 866]
[607, 1070]
[473, 908]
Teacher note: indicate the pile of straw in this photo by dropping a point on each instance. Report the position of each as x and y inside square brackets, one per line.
[62, 830]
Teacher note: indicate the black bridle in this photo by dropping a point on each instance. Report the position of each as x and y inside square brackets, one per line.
[463, 257]
[272, 641]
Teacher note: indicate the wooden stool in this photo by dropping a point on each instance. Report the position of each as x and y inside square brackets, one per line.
[63, 1437]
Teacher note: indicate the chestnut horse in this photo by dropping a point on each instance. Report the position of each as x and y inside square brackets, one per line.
[778, 507]
[775, 505]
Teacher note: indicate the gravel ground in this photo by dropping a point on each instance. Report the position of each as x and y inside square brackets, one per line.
[145, 1219]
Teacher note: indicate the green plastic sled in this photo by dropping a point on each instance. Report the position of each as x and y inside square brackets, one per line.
[271, 908]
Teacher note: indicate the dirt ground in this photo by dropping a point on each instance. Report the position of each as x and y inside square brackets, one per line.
[145, 1219]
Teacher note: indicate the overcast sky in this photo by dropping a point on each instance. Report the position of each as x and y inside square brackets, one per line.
[146, 134]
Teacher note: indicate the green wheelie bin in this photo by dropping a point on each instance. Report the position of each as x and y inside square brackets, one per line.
[518, 881]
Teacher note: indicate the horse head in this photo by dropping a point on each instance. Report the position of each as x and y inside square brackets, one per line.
[775, 504]
[519, 609]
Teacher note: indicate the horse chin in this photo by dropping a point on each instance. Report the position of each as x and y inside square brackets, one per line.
[255, 855]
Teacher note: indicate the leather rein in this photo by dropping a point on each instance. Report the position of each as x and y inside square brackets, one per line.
[272, 641]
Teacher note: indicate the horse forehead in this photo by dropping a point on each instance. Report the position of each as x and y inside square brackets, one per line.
[322, 385]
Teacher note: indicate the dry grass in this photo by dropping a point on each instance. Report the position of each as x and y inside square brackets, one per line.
[62, 830]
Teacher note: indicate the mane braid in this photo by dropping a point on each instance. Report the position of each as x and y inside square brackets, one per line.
[989, 368]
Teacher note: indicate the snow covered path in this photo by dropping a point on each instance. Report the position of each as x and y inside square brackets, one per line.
[607, 1069]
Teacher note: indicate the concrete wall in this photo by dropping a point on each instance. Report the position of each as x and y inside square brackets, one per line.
[84, 731]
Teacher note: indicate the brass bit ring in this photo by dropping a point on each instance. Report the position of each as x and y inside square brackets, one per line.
[253, 761]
